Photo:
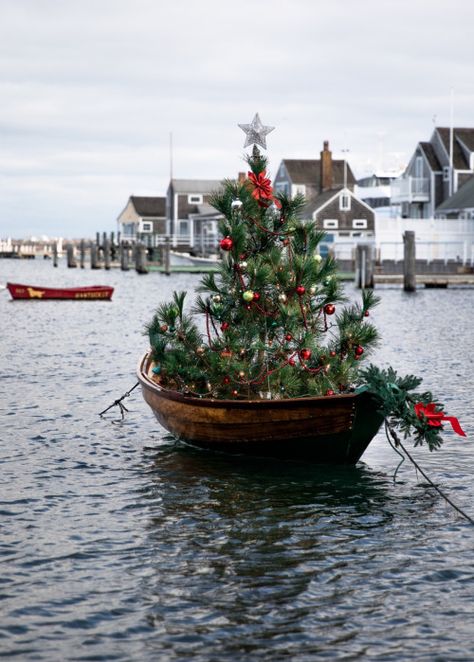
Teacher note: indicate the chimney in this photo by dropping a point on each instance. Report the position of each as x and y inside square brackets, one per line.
[326, 168]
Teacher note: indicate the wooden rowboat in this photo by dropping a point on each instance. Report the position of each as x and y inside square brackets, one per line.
[329, 430]
[91, 293]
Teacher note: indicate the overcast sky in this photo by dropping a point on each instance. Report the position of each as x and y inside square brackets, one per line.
[92, 89]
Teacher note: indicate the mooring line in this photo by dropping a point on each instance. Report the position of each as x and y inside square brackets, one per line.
[422, 472]
[118, 403]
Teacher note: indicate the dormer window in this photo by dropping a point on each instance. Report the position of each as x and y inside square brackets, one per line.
[344, 202]
[195, 199]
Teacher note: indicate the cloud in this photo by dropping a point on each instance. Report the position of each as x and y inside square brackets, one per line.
[91, 91]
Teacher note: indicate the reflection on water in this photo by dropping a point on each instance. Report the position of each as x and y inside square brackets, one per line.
[120, 544]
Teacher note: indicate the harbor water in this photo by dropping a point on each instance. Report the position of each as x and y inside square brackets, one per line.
[118, 543]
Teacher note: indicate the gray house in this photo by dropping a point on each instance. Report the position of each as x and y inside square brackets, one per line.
[341, 214]
[192, 223]
[143, 220]
[436, 171]
[459, 205]
[328, 186]
[311, 177]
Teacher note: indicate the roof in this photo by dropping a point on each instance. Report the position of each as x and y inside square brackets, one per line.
[149, 206]
[308, 171]
[462, 199]
[200, 186]
[466, 136]
[316, 202]
[427, 149]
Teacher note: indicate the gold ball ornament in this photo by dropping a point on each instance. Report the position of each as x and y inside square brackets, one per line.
[317, 258]
[247, 296]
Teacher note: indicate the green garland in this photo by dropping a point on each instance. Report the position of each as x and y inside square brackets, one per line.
[396, 400]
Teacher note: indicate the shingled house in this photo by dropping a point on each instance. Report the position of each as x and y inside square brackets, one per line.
[436, 171]
[328, 185]
[460, 205]
[313, 176]
[341, 214]
[191, 221]
[143, 220]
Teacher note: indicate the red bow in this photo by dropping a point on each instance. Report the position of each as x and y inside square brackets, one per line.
[263, 189]
[434, 417]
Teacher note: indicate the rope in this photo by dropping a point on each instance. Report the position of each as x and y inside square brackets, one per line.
[398, 443]
[118, 403]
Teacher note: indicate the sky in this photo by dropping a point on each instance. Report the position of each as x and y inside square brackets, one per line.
[92, 91]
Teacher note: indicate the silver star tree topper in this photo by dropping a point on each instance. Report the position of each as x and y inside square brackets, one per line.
[256, 132]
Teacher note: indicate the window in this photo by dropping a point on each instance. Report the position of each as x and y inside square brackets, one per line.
[330, 224]
[282, 187]
[419, 166]
[195, 199]
[344, 202]
[147, 227]
[446, 172]
[299, 189]
[360, 223]
[183, 228]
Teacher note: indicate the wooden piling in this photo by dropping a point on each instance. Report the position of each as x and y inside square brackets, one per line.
[113, 247]
[82, 254]
[106, 249]
[94, 257]
[55, 254]
[409, 261]
[124, 257]
[166, 257]
[71, 260]
[364, 271]
[140, 267]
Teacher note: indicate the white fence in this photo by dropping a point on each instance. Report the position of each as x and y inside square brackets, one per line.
[436, 239]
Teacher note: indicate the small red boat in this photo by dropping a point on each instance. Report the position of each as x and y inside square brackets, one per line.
[93, 292]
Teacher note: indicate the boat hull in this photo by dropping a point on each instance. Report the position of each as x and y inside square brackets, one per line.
[92, 293]
[327, 430]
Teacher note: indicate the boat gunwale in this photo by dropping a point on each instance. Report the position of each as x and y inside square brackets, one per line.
[83, 288]
[169, 394]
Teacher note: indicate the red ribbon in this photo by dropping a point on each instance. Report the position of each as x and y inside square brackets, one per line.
[434, 417]
[263, 189]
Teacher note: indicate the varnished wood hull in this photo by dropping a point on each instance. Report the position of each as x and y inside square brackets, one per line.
[328, 430]
[88, 293]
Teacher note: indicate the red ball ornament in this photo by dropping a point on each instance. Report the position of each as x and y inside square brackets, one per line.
[329, 309]
[366, 313]
[332, 353]
[291, 362]
[305, 354]
[288, 337]
[226, 380]
[226, 244]
[329, 391]
[225, 326]
[235, 392]
[256, 296]
[358, 350]
[300, 290]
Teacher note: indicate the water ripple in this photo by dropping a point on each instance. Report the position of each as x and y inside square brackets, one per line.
[118, 543]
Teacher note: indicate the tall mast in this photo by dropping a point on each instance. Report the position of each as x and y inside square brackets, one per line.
[451, 143]
[171, 155]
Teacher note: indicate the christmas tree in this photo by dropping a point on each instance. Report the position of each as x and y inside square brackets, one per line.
[273, 321]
